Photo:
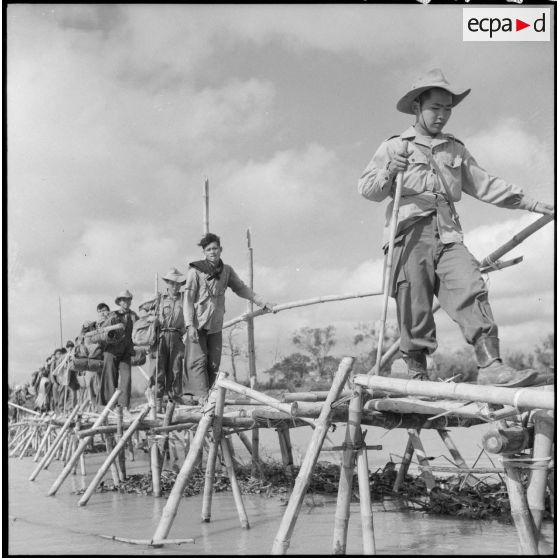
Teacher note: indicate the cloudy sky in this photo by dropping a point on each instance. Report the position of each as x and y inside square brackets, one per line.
[117, 113]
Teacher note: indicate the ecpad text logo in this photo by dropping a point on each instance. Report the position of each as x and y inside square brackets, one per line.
[506, 24]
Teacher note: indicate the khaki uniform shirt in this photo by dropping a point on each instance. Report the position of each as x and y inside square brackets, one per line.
[171, 314]
[423, 193]
[205, 299]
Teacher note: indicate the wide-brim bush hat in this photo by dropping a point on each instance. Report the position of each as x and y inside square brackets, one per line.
[432, 78]
[175, 276]
[124, 294]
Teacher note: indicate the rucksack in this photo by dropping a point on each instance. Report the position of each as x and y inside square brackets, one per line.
[145, 331]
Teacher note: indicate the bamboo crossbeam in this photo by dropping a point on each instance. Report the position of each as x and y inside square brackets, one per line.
[298, 304]
[83, 444]
[308, 396]
[410, 406]
[287, 408]
[283, 537]
[526, 398]
[110, 459]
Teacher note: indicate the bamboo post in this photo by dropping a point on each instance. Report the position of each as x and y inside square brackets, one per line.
[171, 507]
[121, 462]
[206, 206]
[82, 445]
[112, 456]
[212, 454]
[386, 278]
[283, 537]
[252, 353]
[225, 448]
[426, 472]
[366, 517]
[542, 451]
[28, 443]
[169, 411]
[56, 443]
[345, 487]
[284, 435]
[155, 458]
[115, 473]
[404, 467]
[525, 398]
[520, 511]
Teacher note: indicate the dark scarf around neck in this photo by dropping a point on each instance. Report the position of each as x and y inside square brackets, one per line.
[205, 267]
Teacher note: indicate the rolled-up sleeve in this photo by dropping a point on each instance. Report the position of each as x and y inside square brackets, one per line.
[375, 183]
[491, 189]
[241, 289]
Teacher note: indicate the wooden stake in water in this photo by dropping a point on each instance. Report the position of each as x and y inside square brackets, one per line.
[283, 537]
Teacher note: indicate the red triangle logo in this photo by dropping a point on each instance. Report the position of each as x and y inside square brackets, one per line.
[519, 25]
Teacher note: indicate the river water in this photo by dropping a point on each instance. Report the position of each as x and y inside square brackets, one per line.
[39, 524]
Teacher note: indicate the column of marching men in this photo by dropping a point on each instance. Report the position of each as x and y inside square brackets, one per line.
[176, 336]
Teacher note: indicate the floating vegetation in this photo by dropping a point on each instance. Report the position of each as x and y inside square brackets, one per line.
[451, 497]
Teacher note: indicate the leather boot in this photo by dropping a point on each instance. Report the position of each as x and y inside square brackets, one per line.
[416, 365]
[492, 370]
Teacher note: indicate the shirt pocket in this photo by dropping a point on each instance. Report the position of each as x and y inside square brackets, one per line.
[416, 174]
[452, 166]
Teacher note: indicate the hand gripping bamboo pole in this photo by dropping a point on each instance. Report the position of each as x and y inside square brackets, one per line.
[212, 454]
[83, 444]
[112, 456]
[171, 508]
[542, 450]
[56, 443]
[386, 281]
[524, 398]
[283, 537]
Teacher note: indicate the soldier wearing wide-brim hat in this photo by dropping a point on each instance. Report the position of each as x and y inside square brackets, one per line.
[429, 256]
[117, 368]
[168, 360]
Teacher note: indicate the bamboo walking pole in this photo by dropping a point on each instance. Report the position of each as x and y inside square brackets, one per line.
[56, 443]
[84, 442]
[154, 450]
[171, 508]
[212, 454]
[386, 280]
[112, 456]
[225, 448]
[283, 537]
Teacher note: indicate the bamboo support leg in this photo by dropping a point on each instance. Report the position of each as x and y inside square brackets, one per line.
[27, 444]
[225, 448]
[82, 469]
[366, 517]
[119, 431]
[171, 508]
[22, 442]
[109, 444]
[113, 455]
[422, 459]
[53, 447]
[520, 512]
[56, 449]
[20, 433]
[455, 454]
[155, 468]
[283, 537]
[404, 467]
[542, 450]
[82, 446]
[166, 421]
[212, 455]
[286, 451]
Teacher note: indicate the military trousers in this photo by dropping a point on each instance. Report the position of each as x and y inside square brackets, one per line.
[116, 373]
[424, 267]
[203, 358]
[169, 363]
